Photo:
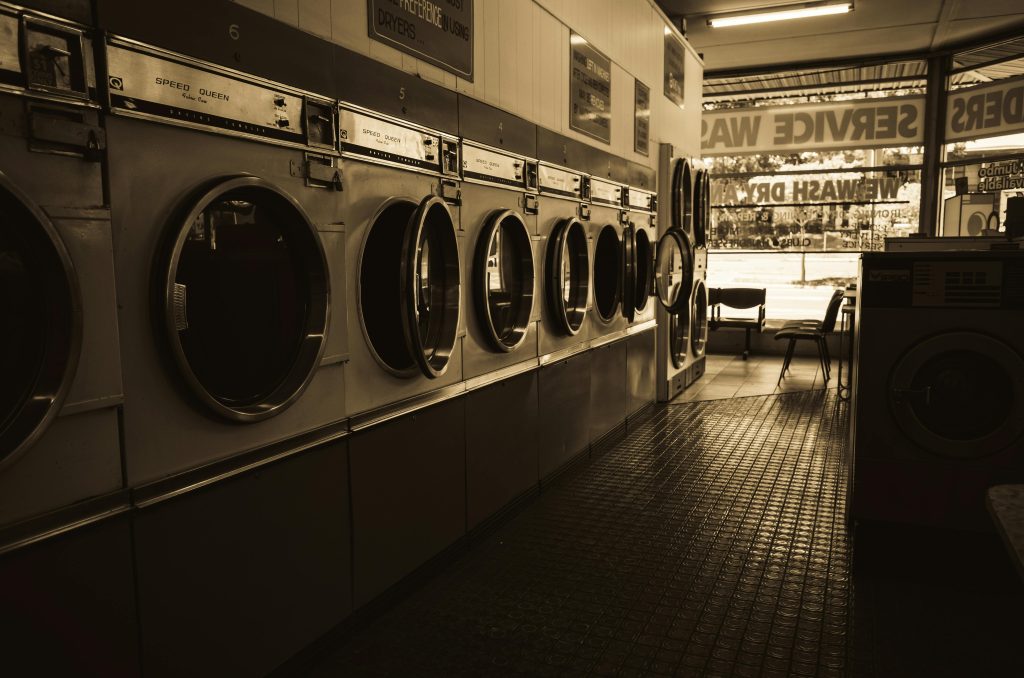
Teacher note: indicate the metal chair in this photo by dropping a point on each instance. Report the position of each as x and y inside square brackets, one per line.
[737, 297]
[812, 330]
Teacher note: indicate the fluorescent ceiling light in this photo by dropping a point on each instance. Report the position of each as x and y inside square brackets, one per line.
[781, 14]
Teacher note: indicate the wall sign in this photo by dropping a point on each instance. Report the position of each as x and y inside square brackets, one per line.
[675, 65]
[987, 110]
[864, 123]
[641, 118]
[590, 90]
[437, 31]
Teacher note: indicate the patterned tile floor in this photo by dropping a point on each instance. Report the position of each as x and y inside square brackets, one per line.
[729, 376]
[709, 541]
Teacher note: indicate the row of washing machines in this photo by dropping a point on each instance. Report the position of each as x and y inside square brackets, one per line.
[206, 273]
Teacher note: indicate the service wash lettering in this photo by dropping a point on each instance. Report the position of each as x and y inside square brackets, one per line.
[897, 121]
[438, 31]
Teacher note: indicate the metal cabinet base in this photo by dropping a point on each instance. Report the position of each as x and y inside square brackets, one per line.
[564, 396]
[408, 494]
[640, 365]
[67, 605]
[236, 578]
[607, 389]
[501, 445]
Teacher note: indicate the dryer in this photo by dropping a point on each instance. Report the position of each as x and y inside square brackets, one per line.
[230, 260]
[938, 388]
[676, 276]
[499, 220]
[613, 257]
[641, 346]
[60, 377]
[401, 209]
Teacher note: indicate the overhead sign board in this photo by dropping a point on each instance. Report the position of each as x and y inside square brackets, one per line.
[437, 31]
[860, 123]
[590, 90]
[987, 110]
[675, 67]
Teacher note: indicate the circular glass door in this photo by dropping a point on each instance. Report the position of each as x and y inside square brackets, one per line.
[568, 269]
[644, 269]
[682, 195]
[41, 328]
[608, 270]
[699, 335]
[959, 395]
[678, 335]
[245, 299]
[673, 271]
[629, 272]
[504, 280]
[701, 208]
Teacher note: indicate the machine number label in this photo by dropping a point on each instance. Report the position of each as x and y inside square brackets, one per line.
[479, 163]
[376, 138]
[151, 84]
[559, 181]
[603, 192]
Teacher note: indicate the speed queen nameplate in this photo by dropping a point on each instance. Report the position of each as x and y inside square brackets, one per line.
[437, 31]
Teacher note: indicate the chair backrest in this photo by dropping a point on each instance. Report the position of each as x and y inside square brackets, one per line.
[741, 297]
[832, 312]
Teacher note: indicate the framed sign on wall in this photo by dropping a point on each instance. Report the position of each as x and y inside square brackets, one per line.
[641, 118]
[590, 90]
[439, 31]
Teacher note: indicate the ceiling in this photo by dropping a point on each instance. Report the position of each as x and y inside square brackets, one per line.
[875, 27]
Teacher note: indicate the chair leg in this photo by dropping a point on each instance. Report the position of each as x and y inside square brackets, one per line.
[785, 361]
[822, 352]
[828, 354]
[746, 345]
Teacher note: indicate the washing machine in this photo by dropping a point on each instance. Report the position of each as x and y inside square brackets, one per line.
[401, 210]
[699, 304]
[641, 344]
[60, 377]
[613, 257]
[499, 219]
[677, 277]
[230, 260]
[938, 391]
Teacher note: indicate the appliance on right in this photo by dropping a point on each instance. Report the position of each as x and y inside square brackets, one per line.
[938, 393]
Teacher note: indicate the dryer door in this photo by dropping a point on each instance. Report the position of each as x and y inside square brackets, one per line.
[568, 275]
[243, 298]
[679, 336]
[644, 268]
[608, 270]
[699, 329]
[430, 286]
[40, 322]
[701, 208]
[628, 274]
[959, 395]
[682, 195]
[503, 278]
[673, 271]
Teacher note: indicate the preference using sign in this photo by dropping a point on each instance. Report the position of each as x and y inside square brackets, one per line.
[437, 31]
[590, 90]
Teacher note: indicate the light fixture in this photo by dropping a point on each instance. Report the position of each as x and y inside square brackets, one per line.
[781, 13]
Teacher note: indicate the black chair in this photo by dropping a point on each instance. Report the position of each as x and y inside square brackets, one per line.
[737, 297]
[812, 330]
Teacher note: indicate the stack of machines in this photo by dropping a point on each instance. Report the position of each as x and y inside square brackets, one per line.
[275, 337]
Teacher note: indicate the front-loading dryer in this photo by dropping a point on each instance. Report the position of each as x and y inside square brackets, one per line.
[613, 282]
[938, 388]
[499, 219]
[60, 377]
[229, 256]
[404, 250]
[641, 346]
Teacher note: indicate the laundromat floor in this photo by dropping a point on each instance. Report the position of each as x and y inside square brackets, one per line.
[710, 540]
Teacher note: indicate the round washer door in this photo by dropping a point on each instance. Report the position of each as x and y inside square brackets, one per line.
[701, 208]
[40, 322]
[568, 273]
[959, 395]
[431, 286]
[699, 331]
[608, 270]
[644, 269]
[504, 280]
[673, 271]
[682, 195]
[244, 298]
[629, 272]
[678, 335]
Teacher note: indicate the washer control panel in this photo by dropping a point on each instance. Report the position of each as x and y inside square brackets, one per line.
[379, 139]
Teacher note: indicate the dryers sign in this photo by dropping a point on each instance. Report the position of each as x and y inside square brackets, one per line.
[590, 90]
[437, 31]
